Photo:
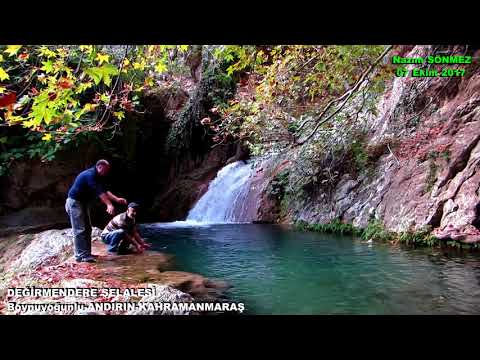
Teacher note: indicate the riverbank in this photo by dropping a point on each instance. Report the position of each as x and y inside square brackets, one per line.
[375, 231]
[46, 260]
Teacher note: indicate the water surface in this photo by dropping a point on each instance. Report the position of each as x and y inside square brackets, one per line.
[275, 270]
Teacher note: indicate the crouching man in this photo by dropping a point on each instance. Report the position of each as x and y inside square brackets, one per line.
[121, 232]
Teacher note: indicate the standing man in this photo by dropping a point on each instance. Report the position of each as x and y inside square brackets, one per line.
[88, 185]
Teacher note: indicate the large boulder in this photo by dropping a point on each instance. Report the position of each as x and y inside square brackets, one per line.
[47, 248]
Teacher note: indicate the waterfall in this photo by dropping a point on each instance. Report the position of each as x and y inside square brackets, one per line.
[226, 198]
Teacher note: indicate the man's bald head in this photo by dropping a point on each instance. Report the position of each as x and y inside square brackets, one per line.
[103, 167]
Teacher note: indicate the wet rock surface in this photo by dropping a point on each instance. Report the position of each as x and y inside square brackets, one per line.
[45, 260]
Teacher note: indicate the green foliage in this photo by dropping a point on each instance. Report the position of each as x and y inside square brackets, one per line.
[213, 91]
[422, 237]
[457, 245]
[360, 156]
[334, 227]
[376, 231]
[102, 73]
[278, 184]
[58, 93]
[433, 165]
[445, 155]
[289, 82]
[278, 190]
[221, 86]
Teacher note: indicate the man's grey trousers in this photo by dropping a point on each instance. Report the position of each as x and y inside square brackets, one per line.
[79, 214]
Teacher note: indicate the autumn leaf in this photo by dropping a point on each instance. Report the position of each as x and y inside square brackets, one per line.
[105, 98]
[101, 58]
[42, 78]
[83, 86]
[62, 52]
[89, 107]
[149, 81]
[23, 56]
[2, 90]
[40, 112]
[3, 75]
[44, 51]
[139, 66]
[12, 49]
[86, 48]
[1, 58]
[65, 83]
[160, 67]
[95, 74]
[47, 137]
[120, 115]
[8, 100]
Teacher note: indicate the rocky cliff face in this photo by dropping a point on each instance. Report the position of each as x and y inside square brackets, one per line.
[428, 176]
[34, 193]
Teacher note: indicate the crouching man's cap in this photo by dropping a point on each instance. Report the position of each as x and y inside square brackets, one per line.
[133, 205]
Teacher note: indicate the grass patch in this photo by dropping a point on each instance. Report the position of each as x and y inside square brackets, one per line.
[333, 227]
[422, 237]
[376, 231]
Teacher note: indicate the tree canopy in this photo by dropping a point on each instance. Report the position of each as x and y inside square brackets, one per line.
[291, 86]
[61, 93]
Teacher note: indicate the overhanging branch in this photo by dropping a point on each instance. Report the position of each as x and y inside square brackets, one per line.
[345, 97]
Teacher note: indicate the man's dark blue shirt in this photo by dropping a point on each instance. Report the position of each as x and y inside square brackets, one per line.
[87, 186]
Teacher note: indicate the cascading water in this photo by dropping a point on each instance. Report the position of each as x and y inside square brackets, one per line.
[226, 198]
